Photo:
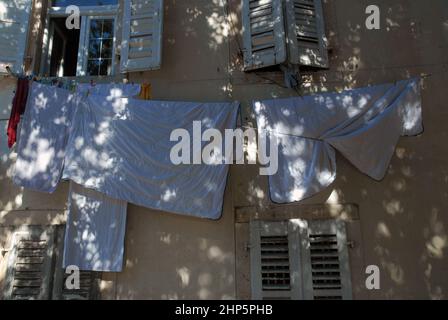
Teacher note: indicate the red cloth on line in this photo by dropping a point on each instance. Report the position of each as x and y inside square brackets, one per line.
[18, 108]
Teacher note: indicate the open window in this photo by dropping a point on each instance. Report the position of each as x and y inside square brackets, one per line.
[85, 51]
[284, 32]
[93, 49]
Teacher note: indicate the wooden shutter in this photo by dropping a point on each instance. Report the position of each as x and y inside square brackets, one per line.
[30, 263]
[306, 33]
[325, 261]
[263, 33]
[14, 20]
[35, 268]
[89, 280]
[141, 47]
[274, 256]
[299, 259]
[89, 286]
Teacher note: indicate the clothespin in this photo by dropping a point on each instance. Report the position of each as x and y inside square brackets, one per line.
[11, 73]
[8, 69]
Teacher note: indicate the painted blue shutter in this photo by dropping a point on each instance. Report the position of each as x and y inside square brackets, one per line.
[141, 47]
[307, 44]
[263, 33]
[14, 21]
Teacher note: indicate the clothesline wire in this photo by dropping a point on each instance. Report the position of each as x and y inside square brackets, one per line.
[283, 134]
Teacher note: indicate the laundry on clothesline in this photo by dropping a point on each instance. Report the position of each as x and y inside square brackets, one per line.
[17, 110]
[43, 138]
[363, 124]
[145, 92]
[122, 148]
[95, 231]
[117, 150]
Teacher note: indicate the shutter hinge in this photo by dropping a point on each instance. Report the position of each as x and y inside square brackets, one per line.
[247, 246]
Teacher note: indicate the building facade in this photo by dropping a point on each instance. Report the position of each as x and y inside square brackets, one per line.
[397, 224]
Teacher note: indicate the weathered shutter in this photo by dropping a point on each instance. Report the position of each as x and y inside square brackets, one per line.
[14, 20]
[30, 263]
[89, 280]
[274, 252]
[141, 47]
[89, 287]
[325, 261]
[263, 33]
[306, 33]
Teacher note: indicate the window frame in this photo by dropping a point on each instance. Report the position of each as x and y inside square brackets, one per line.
[81, 68]
[87, 13]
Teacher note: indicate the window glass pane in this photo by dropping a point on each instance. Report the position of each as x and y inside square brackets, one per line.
[106, 49]
[93, 67]
[96, 27]
[64, 3]
[94, 49]
[100, 51]
[105, 67]
[108, 29]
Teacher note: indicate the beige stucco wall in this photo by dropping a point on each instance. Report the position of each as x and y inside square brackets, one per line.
[403, 223]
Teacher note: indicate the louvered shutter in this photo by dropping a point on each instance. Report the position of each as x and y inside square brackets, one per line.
[141, 47]
[29, 274]
[35, 268]
[325, 261]
[306, 33]
[263, 33]
[274, 256]
[89, 287]
[14, 20]
[89, 280]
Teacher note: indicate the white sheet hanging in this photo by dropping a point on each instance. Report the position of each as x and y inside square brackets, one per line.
[95, 231]
[363, 124]
[43, 137]
[122, 148]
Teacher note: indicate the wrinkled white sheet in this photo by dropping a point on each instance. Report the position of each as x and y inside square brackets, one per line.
[121, 147]
[95, 231]
[363, 124]
[110, 90]
[43, 137]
